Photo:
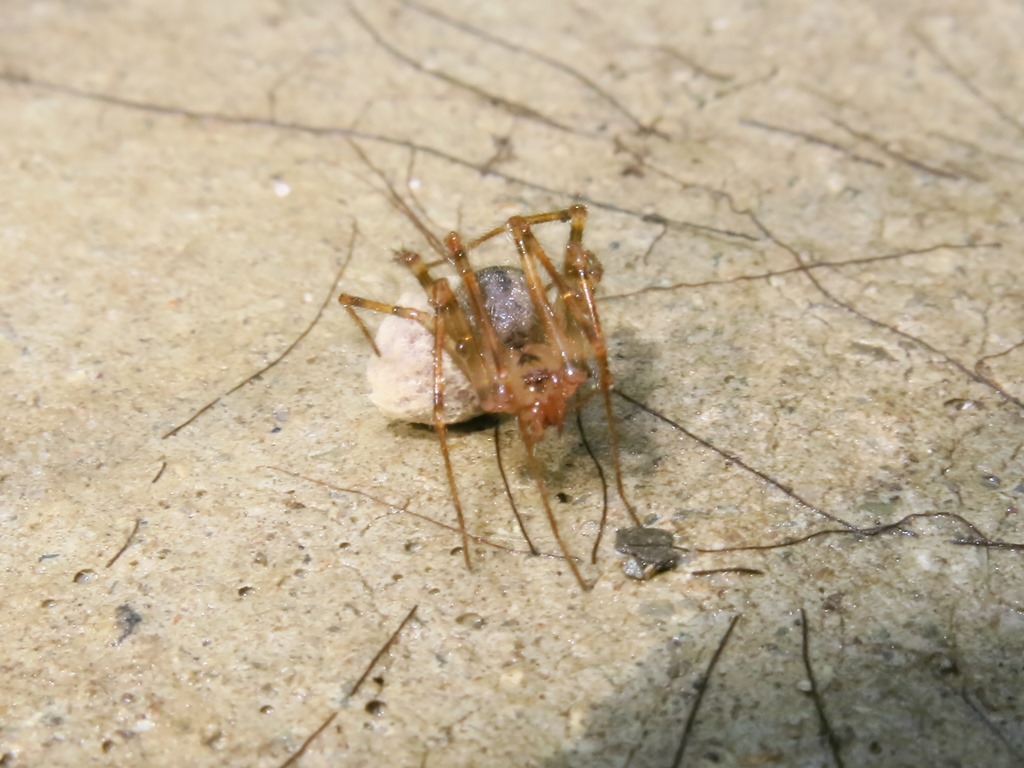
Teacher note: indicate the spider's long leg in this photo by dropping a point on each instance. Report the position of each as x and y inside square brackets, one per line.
[416, 315]
[604, 486]
[565, 214]
[452, 338]
[577, 220]
[362, 327]
[442, 295]
[491, 357]
[527, 243]
[508, 490]
[414, 263]
[529, 252]
[538, 479]
[582, 271]
[586, 269]
[595, 335]
[459, 340]
[397, 201]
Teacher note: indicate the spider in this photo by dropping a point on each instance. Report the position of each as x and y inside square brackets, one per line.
[525, 347]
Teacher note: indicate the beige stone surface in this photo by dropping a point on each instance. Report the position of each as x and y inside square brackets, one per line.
[814, 267]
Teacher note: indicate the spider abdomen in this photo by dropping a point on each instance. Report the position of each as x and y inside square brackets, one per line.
[508, 304]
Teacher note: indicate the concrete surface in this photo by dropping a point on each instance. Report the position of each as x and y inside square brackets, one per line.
[176, 195]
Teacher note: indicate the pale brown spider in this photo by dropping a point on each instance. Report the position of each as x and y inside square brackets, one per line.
[527, 358]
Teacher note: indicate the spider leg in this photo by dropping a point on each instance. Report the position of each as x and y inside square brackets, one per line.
[414, 263]
[397, 201]
[604, 486]
[605, 382]
[538, 479]
[416, 315]
[362, 327]
[440, 298]
[531, 254]
[459, 340]
[508, 490]
[595, 335]
[565, 214]
[495, 386]
[576, 289]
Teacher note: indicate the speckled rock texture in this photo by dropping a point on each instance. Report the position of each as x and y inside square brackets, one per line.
[809, 219]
